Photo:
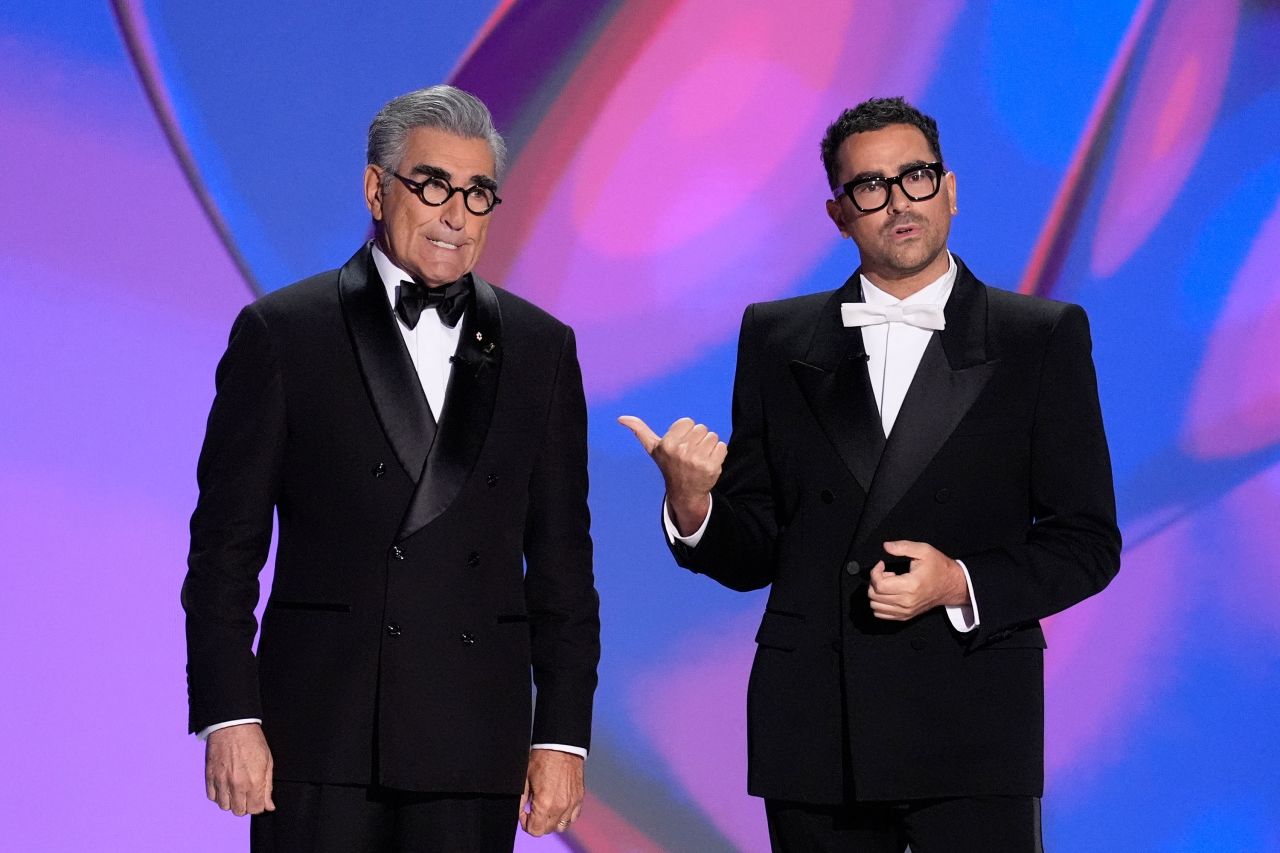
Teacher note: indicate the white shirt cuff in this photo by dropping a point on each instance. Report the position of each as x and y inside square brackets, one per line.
[560, 747]
[203, 734]
[964, 617]
[693, 538]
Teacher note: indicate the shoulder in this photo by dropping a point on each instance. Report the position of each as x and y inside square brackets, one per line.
[316, 293]
[1017, 320]
[522, 317]
[783, 316]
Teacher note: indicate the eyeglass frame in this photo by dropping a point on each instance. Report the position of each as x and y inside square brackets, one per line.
[846, 189]
[418, 188]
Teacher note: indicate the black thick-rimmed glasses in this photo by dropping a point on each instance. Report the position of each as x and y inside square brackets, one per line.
[918, 183]
[435, 191]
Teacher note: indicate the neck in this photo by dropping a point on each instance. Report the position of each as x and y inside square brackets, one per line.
[900, 284]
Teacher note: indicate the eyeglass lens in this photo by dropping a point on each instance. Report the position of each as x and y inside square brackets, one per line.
[918, 184]
[479, 200]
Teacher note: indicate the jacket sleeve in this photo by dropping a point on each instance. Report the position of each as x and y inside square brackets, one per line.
[1072, 548]
[564, 610]
[238, 475]
[737, 548]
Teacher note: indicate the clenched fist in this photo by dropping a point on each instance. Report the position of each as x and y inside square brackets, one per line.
[690, 457]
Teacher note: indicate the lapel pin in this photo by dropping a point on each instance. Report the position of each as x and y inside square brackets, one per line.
[490, 347]
[479, 336]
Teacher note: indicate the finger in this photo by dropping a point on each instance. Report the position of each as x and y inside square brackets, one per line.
[223, 795]
[877, 576]
[239, 803]
[270, 804]
[647, 437]
[907, 548]
[210, 790]
[888, 611]
[695, 435]
[577, 810]
[678, 430]
[708, 444]
[721, 451]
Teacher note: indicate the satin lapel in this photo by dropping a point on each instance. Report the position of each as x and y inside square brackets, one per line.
[468, 410]
[833, 379]
[389, 376]
[952, 373]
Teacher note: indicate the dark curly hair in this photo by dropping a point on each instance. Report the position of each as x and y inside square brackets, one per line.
[874, 114]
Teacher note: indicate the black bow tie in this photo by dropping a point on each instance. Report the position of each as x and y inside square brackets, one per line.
[414, 297]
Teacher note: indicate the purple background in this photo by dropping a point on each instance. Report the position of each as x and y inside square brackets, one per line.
[161, 162]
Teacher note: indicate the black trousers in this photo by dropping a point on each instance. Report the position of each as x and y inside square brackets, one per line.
[313, 818]
[955, 825]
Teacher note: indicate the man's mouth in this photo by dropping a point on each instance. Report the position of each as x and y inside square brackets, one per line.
[442, 244]
[903, 231]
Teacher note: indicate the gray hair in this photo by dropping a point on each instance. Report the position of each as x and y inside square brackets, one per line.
[443, 107]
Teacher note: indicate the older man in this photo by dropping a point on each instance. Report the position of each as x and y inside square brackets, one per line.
[918, 468]
[421, 436]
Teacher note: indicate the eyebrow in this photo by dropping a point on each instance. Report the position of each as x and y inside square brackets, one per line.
[431, 171]
[436, 172]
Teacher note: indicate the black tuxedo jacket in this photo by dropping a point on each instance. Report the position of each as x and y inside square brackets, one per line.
[997, 458]
[422, 572]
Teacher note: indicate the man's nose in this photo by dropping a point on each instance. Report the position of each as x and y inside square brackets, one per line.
[454, 212]
[898, 200]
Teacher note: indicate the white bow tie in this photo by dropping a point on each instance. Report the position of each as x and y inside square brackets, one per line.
[921, 316]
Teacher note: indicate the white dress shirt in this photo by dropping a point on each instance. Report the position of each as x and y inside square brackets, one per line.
[431, 345]
[894, 351]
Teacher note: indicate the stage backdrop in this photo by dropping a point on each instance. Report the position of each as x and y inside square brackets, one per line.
[161, 163]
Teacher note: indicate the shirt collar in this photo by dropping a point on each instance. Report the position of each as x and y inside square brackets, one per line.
[391, 274]
[936, 292]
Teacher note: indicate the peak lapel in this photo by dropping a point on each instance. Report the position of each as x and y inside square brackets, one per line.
[952, 373]
[833, 378]
[389, 376]
[468, 410]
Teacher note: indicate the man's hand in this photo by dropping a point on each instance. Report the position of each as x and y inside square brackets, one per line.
[553, 791]
[935, 579]
[690, 457]
[237, 769]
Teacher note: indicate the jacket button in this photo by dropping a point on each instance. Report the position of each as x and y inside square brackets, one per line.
[397, 552]
[827, 496]
[473, 560]
[492, 480]
[468, 639]
[393, 629]
[942, 495]
[379, 470]
[852, 567]
[918, 643]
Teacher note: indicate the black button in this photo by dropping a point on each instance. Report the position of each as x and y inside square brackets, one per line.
[473, 560]
[827, 496]
[942, 495]
[492, 480]
[393, 629]
[379, 470]
[468, 639]
[918, 643]
[852, 567]
[396, 552]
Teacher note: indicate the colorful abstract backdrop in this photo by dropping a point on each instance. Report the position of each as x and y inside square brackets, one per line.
[161, 162]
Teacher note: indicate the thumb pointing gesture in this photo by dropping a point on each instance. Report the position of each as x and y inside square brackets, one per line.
[647, 437]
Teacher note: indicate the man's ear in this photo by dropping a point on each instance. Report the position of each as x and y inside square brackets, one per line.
[949, 181]
[373, 191]
[836, 211]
